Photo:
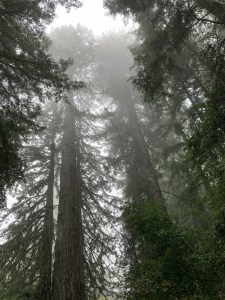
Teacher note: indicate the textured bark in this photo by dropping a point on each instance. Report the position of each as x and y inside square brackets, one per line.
[68, 281]
[47, 239]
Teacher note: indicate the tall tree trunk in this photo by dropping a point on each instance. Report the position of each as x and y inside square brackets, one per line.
[142, 166]
[47, 239]
[68, 281]
[143, 159]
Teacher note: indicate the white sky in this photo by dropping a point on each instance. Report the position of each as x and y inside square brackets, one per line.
[92, 15]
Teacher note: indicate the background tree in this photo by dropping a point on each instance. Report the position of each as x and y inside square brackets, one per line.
[179, 89]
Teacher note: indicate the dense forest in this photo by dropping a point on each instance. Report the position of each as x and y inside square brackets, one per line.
[112, 149]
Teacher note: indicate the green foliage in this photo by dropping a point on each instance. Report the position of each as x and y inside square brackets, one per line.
[179, 62]
[14, 127]
[28, 76]
[19, 277]
[170, 262]
[180, 53]
[206, 142]
[22, 253]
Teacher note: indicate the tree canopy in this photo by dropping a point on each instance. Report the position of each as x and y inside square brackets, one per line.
[116, 144]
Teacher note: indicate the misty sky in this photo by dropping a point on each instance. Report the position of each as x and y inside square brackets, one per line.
[91, 15]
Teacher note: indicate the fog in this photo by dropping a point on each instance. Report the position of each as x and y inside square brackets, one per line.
[91, 15]
[111, 150]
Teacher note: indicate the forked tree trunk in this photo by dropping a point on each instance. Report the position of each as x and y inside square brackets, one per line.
[68, 281]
